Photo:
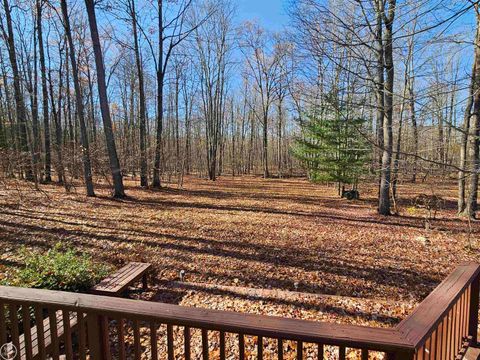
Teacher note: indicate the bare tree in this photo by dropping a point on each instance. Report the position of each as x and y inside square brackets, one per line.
[213, 49]
[171, 33]
[387, 16]
[474, 134]
[408, 64]
[464, 142]
[87, 168]
[115, 169]
[9, 38]
[30, 72]
[263, 58]
[132, 12]
[56, 106]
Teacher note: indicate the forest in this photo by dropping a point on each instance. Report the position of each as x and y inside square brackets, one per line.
[284, 179]
[347, 92]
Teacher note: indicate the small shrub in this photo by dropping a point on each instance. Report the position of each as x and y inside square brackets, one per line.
[58, 269]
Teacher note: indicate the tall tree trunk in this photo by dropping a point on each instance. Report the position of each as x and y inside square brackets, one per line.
[188, 126]
[93, 120]
[441, 135]
[474, 135]
[119, 191]
[396, 161]
[57, 118]
[279, 140]
[177, 121]
[33, 89]
[407, 75]
[19, 102]
[3, 131]
[266, 173]
[413, 120]
[221, 144]
[71, 133]
[129, 127]
[243, 132]
[8, 104]
[464, 144]
[379, 91]
[160, 78]
[233, 130]
[70, 142]
[46, 116]
[142, 115]
[384, 198]
[251, 144]
[87, 168]
[451, 123]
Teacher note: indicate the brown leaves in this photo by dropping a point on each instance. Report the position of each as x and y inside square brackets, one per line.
[279, 234]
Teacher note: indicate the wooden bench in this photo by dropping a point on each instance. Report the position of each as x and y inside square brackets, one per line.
[117, 283]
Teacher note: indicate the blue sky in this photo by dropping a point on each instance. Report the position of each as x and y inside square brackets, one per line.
[269, 13]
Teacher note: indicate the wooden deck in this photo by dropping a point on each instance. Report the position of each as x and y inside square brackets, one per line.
[31, 349]
[441, 327]
[473, 352]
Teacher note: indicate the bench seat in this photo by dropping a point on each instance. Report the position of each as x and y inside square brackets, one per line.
[118, 282]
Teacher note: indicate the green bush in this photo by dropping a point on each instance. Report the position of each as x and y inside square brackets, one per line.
[58, 269]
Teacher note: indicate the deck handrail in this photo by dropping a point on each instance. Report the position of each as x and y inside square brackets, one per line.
[428, 314]
[434, 316]
[452, 305]
[382, 339]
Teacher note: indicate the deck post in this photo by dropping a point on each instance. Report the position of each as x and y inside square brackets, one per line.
[473, 311]
[95, 337]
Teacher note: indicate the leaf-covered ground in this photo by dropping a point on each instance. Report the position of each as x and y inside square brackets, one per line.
[291, 240]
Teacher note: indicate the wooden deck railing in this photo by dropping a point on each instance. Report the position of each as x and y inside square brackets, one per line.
[446, 322]
[104, 328]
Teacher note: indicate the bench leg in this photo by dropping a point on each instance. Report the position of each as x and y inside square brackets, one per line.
[144, 282]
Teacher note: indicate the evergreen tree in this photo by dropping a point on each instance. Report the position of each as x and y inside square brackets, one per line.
[332, 148]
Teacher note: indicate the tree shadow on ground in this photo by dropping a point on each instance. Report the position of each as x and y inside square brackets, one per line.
[302, 259]
[93, 232]
[304, 305]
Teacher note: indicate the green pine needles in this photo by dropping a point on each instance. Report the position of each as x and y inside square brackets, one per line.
[332, 148]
